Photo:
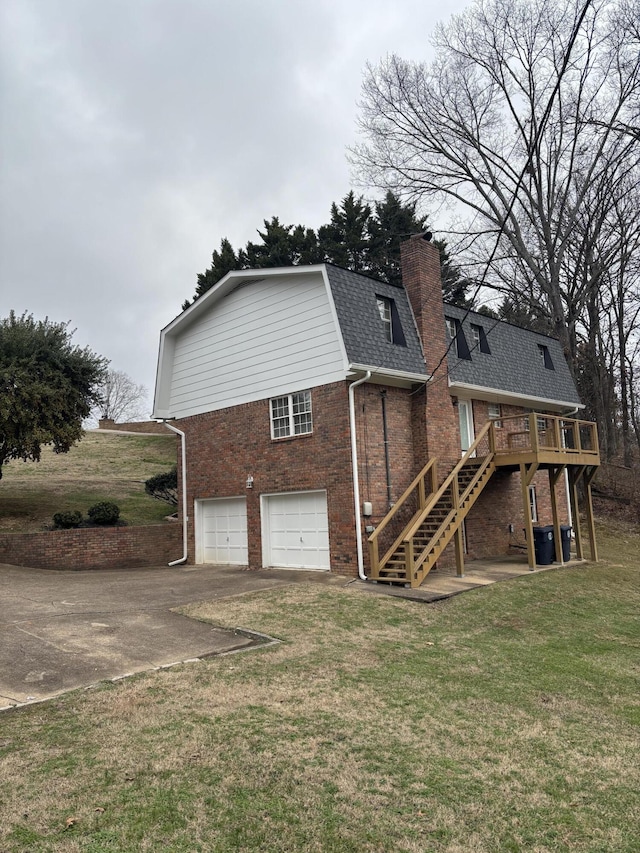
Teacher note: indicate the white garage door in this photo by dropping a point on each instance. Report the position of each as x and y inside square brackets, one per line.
[222, 531]
[296, 530]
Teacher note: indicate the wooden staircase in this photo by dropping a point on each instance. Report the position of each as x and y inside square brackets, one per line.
[438, 518]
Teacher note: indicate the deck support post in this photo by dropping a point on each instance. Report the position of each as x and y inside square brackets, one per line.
[554, 475]
[575, 472]
[457, 536]
[588, 477]
[525, 479]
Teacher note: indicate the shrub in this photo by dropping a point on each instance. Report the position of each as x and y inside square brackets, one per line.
[164, 486]
[104, 513]
[67, 520]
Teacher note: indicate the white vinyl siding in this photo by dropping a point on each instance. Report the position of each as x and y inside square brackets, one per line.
[266, 338]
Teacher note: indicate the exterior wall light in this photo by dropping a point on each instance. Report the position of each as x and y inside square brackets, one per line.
[249, 483]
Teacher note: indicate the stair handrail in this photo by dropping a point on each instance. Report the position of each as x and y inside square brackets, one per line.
[487, 462]
[410, 532]
[401, 500]
[376, 563]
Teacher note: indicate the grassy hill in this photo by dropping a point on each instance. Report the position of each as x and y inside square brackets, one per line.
[103, 466]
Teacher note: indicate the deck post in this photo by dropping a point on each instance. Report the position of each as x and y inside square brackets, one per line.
[574, 475]
[457, 536]
[374, 558]
[408, 560]
[528, 523]
[588, 477]
[554, 474]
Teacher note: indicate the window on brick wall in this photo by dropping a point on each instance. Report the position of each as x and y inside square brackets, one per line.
[495, 414]
[533, 504]
[291, 415]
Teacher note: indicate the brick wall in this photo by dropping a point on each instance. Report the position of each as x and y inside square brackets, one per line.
[94, 548]
[226, 446]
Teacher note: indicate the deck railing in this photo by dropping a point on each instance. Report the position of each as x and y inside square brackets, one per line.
[534, 432]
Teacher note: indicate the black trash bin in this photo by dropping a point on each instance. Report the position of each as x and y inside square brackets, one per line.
[565, 536]
[544, 545]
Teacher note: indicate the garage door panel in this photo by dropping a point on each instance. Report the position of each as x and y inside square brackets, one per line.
[296, 530]
[223, 531]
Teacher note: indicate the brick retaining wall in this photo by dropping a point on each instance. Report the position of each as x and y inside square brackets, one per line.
[94, 548]
[146, 427]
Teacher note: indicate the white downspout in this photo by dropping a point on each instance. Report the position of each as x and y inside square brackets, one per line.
[183, 445]
[354, 465]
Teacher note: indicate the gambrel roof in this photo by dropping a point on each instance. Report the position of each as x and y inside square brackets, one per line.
[355, 297]
[260, 333]
[515, 363]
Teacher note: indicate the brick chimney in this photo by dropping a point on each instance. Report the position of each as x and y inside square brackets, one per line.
[435, 418]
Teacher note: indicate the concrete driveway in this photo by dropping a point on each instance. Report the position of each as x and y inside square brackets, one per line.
[63, 630]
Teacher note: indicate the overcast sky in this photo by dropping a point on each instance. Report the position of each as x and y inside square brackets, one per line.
[135, 134]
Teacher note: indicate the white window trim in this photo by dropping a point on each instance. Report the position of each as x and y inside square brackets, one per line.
[497, 422]
[533, 503]
[291, 416]
[384, 309]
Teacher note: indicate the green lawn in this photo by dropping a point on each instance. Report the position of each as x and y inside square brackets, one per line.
[101, 467]
[504, 719]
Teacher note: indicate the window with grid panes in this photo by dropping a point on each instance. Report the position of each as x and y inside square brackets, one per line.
[384, 308]
[291, 415]
[495, 414]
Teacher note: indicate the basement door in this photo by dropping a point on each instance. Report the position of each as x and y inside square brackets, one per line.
[221, 531]
[295, 531]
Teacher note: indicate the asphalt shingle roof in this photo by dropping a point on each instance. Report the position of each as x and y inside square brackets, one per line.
[363, 331]
[515, 364]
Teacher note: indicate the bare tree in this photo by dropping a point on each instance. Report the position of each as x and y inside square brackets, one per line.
[521, 113]
[122, 398]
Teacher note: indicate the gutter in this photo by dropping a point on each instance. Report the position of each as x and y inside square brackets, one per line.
[354, 466]
[183, 447]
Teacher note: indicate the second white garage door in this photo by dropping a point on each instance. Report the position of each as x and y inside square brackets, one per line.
[295, 530]
[222, 531]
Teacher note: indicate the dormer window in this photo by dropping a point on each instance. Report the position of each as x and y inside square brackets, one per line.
[384, 308]
[480, 338]
[455, 333]
[545, 355]
[391, 321]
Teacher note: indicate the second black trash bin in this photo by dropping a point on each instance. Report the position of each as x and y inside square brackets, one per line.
[565, 536]
[544, 545]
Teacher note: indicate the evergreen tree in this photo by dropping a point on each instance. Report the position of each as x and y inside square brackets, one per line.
[346, 240]
[222, 262]
[357, 238]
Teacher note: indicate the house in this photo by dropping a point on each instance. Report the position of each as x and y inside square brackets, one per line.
[333, 422]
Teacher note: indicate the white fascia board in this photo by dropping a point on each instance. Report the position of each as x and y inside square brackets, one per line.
[481, 392]
[163, 376]
[390, 374]
[334, 313]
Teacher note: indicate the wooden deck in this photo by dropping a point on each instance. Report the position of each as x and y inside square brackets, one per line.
[406, 544]
[544, 440]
